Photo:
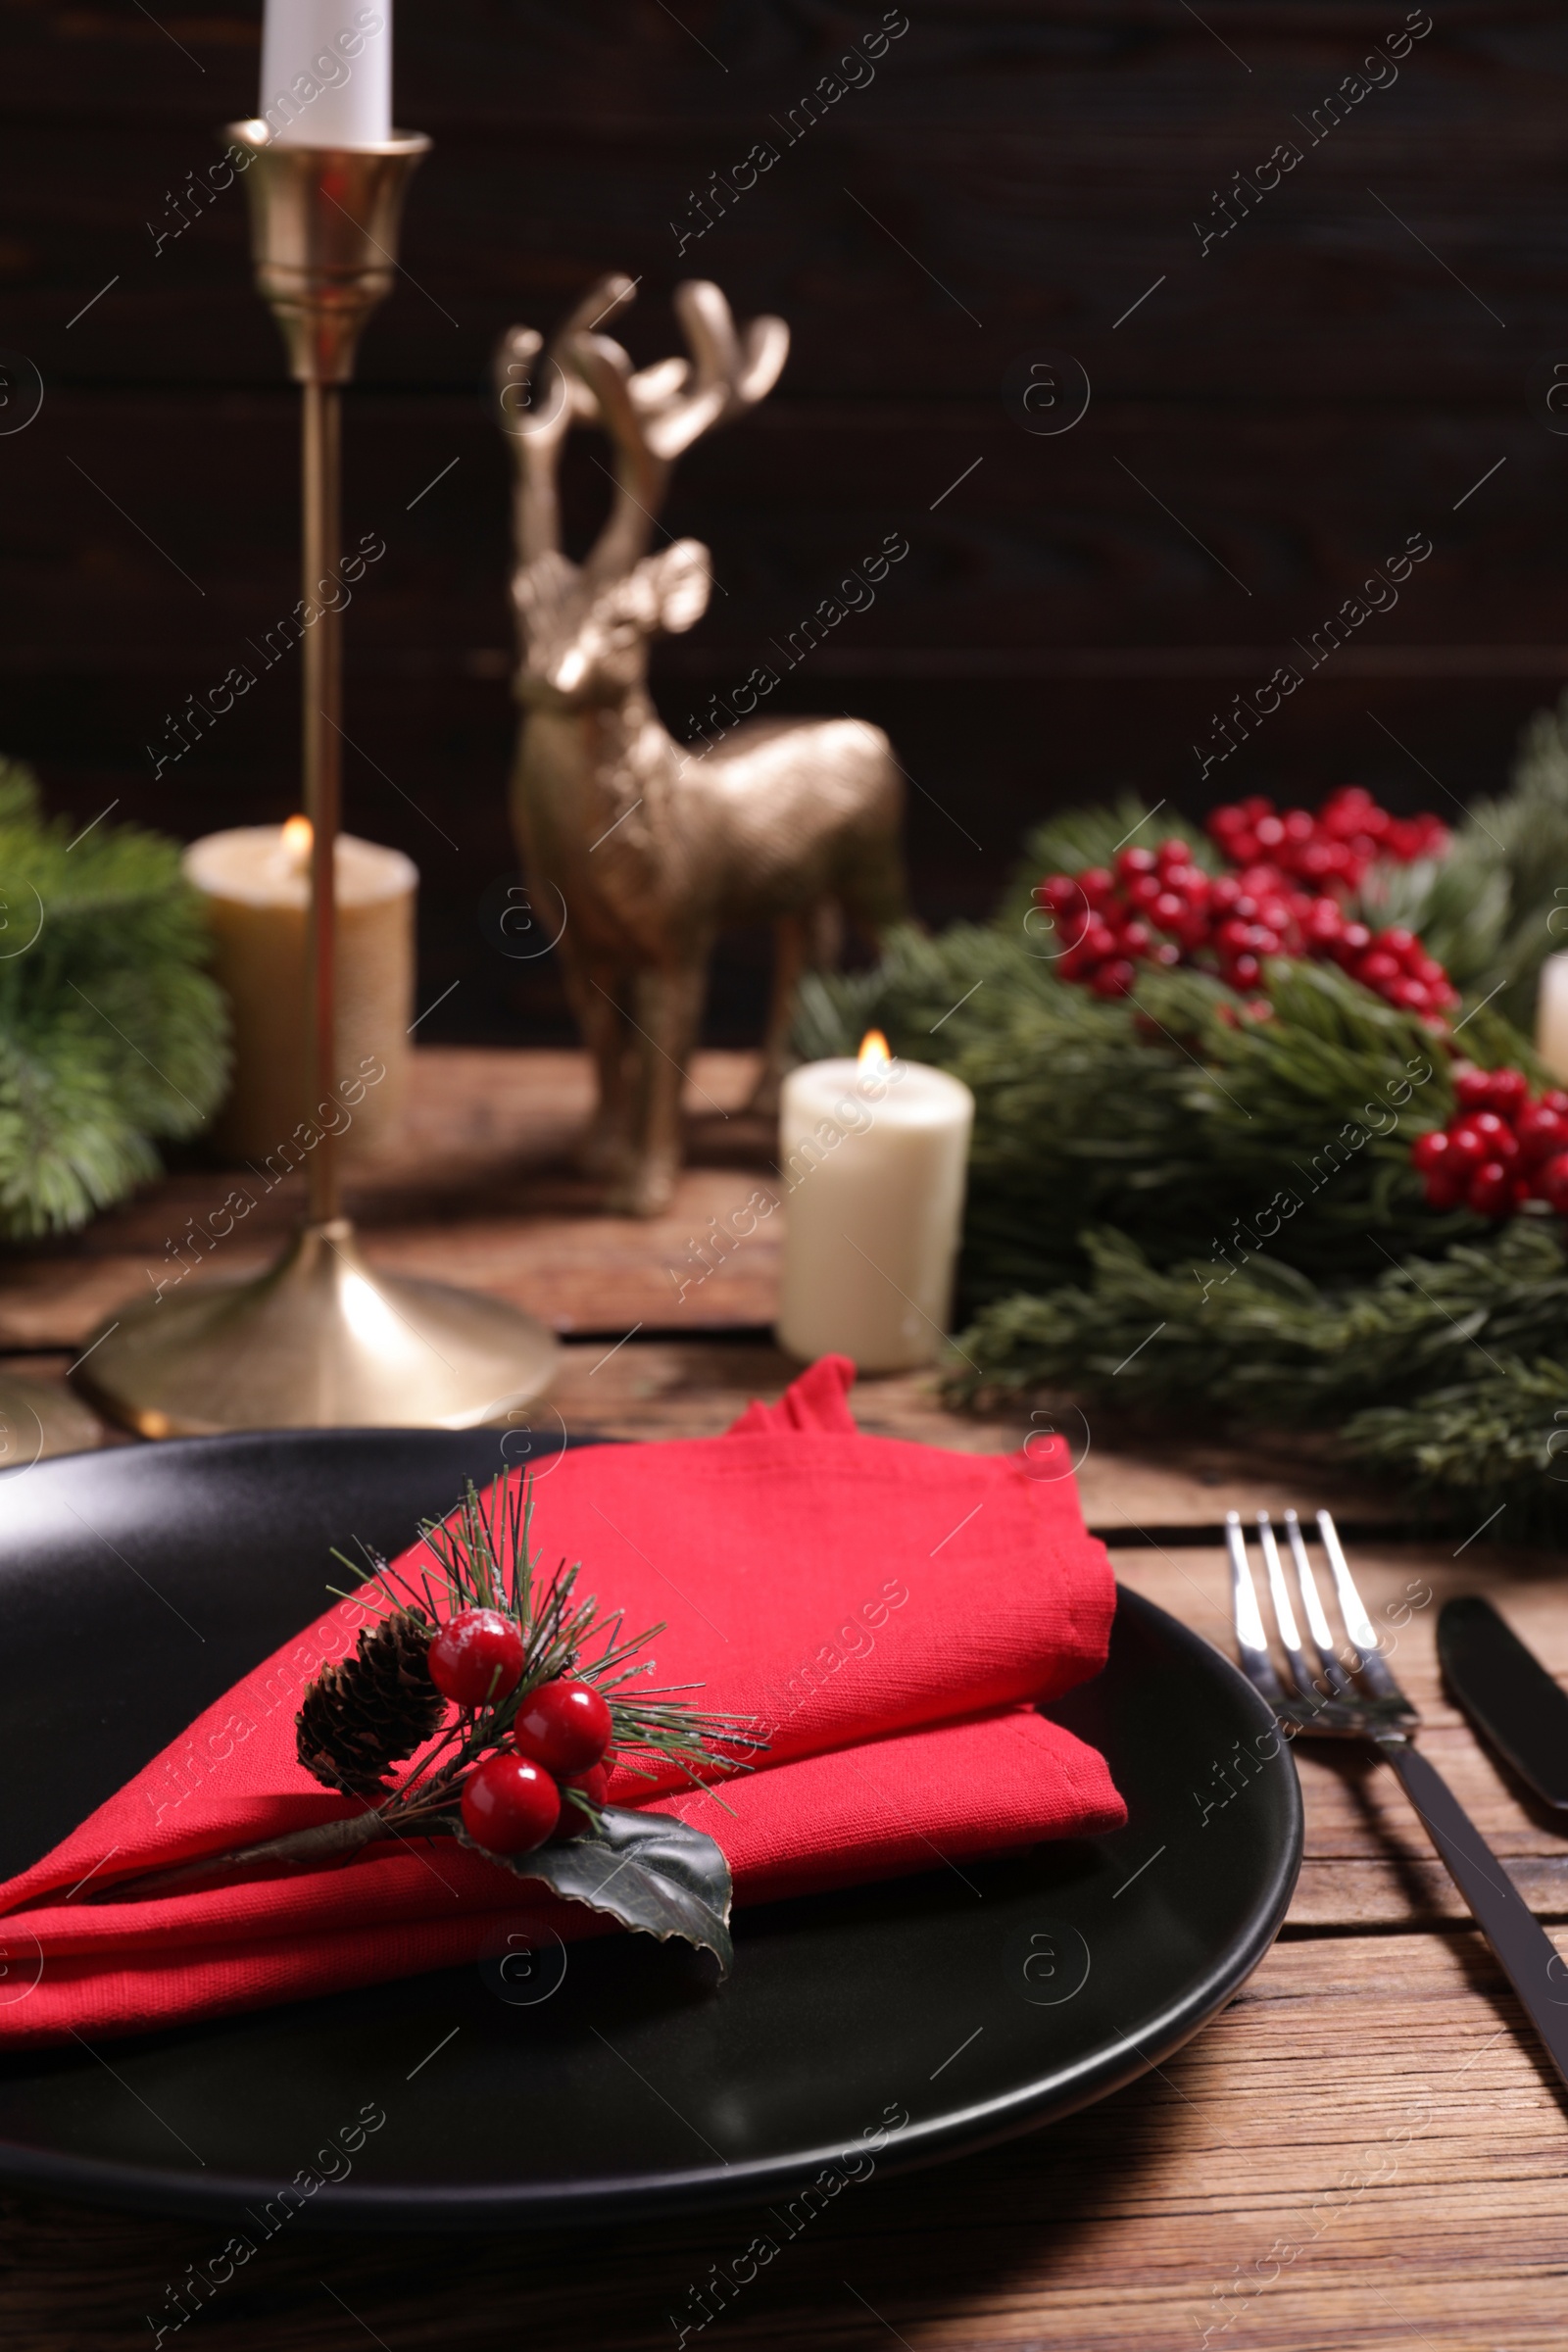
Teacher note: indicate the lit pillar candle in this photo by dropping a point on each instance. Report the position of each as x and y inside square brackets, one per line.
[872, 1154]
[256, 881]
[327, 71]
[1551, 1017]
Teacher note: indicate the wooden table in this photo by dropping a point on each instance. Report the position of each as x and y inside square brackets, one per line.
[1360, 2152]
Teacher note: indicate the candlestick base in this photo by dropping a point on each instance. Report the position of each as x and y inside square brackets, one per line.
[37, 1419]
[319, 1341]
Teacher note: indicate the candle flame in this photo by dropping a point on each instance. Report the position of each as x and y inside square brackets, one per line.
[875, 1052]
[298, 842]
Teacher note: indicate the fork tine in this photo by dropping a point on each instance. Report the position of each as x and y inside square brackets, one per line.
[1335, 1679]
[1251, 1638]
[1358, 1625]
[1280, 1593]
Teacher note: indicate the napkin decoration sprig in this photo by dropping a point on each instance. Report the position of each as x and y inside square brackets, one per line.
[487, 1703]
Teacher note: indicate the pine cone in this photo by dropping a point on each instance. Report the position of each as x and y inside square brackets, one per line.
[364, 1714]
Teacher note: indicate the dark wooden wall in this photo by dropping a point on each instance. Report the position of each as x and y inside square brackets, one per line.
[1275, 418]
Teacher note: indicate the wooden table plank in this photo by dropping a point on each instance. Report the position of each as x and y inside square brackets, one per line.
[675, 1388]
[478, 1188]
[1360, 2153]
[689, 1387]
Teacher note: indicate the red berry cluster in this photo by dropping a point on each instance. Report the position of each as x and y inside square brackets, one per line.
[559, 1738]
[1503, 1146]
[1337, 844]
[1158, 907]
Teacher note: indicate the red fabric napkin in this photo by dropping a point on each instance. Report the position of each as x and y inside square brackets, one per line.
[889, 1611]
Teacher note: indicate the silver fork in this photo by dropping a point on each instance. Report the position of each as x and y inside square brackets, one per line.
[1347, 1693]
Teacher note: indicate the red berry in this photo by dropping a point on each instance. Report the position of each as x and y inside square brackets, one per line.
[563, 1724]
[1466, 1148]
[1554, 1099]
[1350, 945]
[509, 1805]
[478, 1657]
[1113, 979]
[1245, 972]
[1377, 968]
[1552, 1183]
[1445, 1188]
[595, 1787]
[1507, 1092]
[1490, 1189]
[1135, 862]
[1496, 1134]
[1430, 1151]
[1542, 1131]
[1097, 884]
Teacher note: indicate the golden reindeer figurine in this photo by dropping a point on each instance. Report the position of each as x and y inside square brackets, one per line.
[654, 846]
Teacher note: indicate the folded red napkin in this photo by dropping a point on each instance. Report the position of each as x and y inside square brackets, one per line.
[888, 1610]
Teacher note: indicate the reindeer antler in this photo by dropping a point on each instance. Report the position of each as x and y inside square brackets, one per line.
[652, 415]
[656, 414]
[539, 407]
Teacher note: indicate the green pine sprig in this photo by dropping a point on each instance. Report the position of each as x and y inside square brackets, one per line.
[484, 1558]
[112, 1035]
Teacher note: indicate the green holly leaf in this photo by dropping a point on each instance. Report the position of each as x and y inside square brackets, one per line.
[653, 1874]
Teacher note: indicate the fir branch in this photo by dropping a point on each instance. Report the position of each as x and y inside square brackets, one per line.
[1249, 1332]
[1494, 1442]
[112, 1035]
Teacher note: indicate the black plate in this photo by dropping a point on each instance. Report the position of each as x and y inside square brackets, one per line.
[138, 1584]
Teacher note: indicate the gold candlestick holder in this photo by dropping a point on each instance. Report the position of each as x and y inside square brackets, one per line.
[320, 1339]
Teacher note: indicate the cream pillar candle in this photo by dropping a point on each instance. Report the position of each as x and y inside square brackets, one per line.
[256, 881]
[1551, 1017]
[873, 1155]
[327, 71]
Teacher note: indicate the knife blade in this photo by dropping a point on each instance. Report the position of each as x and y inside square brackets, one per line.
[1507, 1694]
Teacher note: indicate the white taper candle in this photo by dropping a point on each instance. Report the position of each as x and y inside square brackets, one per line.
[327, 71]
